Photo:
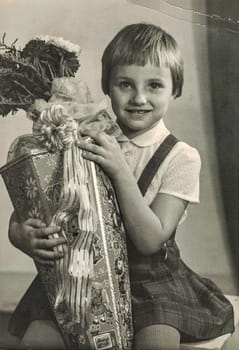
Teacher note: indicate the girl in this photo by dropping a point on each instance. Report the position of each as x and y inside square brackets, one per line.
[155, 177]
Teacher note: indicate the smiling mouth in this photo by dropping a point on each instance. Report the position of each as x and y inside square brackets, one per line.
[138, 111]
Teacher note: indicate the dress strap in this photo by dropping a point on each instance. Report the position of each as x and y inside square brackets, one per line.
[155, 161]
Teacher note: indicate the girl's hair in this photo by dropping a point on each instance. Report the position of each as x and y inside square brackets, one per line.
[139, 44]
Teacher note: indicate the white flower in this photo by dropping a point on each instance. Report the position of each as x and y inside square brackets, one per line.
[59, 42]
[34, 213]
[31, 188]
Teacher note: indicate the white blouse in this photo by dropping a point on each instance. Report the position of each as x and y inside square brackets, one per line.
[178, 175]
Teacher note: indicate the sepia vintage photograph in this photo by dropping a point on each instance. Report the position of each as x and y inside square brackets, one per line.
[119, 174]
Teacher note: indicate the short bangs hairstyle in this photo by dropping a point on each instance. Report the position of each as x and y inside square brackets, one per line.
[140, 44]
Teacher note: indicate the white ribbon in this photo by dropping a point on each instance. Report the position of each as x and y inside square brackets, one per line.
[74, 272]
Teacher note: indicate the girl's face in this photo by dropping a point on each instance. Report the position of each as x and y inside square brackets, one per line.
[140, 96]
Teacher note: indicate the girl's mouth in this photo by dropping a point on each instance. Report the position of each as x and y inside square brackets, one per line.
[138, 111]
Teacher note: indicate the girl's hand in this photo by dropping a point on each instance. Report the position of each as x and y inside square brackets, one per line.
[32, 237]
[106, 152]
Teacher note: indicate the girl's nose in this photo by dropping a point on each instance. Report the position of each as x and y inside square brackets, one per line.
[139, 98]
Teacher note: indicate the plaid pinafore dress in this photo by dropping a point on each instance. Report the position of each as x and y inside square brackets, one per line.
[166, 291]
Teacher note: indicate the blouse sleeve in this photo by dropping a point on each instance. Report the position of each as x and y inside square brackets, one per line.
[181, 178]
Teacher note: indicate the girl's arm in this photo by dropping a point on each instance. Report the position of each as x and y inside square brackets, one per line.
[148, 227]
[32, 238]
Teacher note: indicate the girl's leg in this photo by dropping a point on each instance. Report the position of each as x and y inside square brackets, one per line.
[42, 334]
[157, 337]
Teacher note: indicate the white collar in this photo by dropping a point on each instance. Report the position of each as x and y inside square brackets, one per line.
[149, 137]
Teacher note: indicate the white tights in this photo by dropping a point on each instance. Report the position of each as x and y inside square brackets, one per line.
[45, 335]
[157, 337]
[42, 334]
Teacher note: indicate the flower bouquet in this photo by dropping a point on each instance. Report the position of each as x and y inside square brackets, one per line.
[27, 75]
[47, 178]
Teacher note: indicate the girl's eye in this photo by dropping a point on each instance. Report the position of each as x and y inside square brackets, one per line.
[155, 85]
[125, 85]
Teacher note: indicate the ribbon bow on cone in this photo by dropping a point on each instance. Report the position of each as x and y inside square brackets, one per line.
[74, 273]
